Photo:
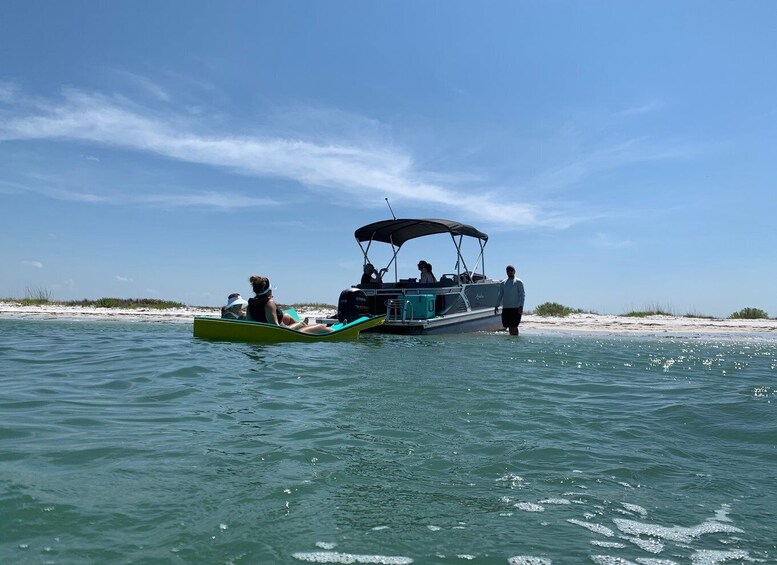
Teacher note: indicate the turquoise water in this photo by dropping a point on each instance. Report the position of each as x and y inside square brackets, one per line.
[136, 443]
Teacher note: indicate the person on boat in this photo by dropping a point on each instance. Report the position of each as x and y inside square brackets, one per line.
[235, 308]
[262, 308]
[427, 276]
[512, 294]
[371, 275]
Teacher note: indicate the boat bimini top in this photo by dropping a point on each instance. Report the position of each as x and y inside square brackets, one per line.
[398, 231]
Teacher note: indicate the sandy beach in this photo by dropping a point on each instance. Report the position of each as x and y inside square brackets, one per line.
[571, 323]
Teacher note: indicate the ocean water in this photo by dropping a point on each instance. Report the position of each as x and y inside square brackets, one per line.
[136, 443]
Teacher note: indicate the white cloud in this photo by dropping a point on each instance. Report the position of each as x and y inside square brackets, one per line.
[220, 200]
[145, 84]
[643, 109]
[123, 279]
[611, 158]
[362, 172]
[604, 240]
[8, 92]
[33, 264]
[45, 185]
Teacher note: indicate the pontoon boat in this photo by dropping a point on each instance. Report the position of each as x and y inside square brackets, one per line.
[461, 301]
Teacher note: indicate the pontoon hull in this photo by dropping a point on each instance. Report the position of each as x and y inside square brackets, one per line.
[451, 324]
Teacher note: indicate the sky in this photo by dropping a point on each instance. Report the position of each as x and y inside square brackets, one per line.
[620, 153]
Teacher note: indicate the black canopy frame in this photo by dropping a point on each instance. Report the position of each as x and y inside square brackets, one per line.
[399, 231]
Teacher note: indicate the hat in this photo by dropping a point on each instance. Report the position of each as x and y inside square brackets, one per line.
[236, 300]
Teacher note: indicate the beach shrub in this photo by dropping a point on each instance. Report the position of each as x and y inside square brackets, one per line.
[153, 303]
[36, 295]
[555, 309]
[694, 314]
[654, 310]
[749, 314]
[313, 305]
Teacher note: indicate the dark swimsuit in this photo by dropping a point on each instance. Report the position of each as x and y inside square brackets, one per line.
[256, 309]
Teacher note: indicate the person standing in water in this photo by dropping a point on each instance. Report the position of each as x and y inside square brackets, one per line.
[511, 292]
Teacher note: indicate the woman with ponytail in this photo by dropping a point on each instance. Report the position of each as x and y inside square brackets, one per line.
[262, 308]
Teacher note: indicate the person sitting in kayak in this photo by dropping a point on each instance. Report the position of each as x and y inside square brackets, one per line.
[235, 308]
[262, 308]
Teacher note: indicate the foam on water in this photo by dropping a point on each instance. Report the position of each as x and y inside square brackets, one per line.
[711, 557]
[609, 544]
[596, 528]
[529, 507]
[613, 560]
[674, 533]
[649, 545]
[335, 557]
[634, 508]
[528, 560]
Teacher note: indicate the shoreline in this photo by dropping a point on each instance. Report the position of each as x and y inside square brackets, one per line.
[577, 323]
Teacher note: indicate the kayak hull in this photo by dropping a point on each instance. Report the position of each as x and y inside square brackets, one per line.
[258, 332]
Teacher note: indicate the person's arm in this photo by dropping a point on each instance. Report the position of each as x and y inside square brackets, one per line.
[270, 313]
[499, 298]
[521, 293]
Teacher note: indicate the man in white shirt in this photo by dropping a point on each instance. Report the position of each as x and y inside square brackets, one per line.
[511, 292]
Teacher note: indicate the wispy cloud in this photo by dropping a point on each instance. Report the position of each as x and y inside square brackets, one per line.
[33, 264]
[363, 172]
[604, 240]
[218, 200]
[51, 187]
[145, 84]
[123, 279]
[611, 158]
[8, 92]
[643, 109]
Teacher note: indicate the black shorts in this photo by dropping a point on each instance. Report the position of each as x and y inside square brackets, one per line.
[511, 317]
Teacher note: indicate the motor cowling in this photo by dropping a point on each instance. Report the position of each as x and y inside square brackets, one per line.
[352, 305]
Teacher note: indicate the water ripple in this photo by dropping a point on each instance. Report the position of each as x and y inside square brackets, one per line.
[135, 442]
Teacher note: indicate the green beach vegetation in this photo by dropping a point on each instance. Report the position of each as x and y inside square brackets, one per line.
[646, 313]
[127, 303]
[309, 306]
[694, 314]
[749, 314]
[41, 296]
[555, 309]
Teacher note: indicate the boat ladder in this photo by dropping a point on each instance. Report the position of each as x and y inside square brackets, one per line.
[397, 310]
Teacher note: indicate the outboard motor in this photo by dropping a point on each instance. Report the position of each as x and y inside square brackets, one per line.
[352, 305]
